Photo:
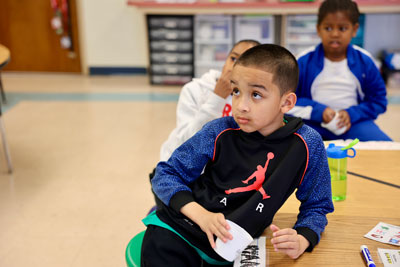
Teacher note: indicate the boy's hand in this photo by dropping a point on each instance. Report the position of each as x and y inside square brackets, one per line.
[288, 241]
[211, 223]
[223, 86]
[328, 115]
[344, 119]
[214, 224]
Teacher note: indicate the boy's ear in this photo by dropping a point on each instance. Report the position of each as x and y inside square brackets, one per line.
[288, 102]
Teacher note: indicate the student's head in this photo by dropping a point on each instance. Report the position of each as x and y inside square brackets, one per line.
[237, 50]
[337, 25]
[263, 80]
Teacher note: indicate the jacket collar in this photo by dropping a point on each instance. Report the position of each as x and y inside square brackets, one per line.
[320, 54]
[292, 125]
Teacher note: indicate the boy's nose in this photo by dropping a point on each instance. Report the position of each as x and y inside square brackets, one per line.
[243, 104]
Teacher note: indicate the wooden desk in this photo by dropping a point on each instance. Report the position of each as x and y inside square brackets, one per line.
[339, 245]
[367, 204]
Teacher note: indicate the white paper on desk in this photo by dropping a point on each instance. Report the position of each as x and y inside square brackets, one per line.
[385, 233]
[253, 255]
[389, 257]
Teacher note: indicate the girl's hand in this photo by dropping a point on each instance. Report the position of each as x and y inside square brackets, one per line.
[288, 241]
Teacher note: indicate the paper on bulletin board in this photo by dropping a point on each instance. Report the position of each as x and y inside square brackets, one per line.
[253, 255]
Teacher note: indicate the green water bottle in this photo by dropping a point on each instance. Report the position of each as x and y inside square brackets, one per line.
[337, 160]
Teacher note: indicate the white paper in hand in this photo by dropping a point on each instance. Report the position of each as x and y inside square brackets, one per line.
[232, 248]
[332, 125]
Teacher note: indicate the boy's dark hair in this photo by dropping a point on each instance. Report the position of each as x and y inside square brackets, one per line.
[332, 6]
[276, 60]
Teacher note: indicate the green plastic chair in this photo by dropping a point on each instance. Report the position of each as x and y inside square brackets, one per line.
[133, 250]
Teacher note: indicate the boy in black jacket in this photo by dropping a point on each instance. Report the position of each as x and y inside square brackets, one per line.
[242, 168]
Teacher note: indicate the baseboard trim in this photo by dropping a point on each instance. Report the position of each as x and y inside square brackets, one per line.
[117, 71]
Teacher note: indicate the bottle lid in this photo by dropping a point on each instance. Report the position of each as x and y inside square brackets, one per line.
[336, 152]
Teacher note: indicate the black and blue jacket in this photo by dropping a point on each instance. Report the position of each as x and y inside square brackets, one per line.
[247, 177]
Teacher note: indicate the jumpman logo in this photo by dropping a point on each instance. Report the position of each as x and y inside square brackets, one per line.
[259, 174]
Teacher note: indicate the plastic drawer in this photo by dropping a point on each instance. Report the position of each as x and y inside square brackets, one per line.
[165, 79]
[171, 57]
[171, 23]
[169, 34]
[171, 46]
[171, 69]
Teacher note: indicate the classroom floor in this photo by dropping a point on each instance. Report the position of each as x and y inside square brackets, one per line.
[82, 148]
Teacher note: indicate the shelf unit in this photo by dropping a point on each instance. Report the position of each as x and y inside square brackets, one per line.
[257, 27]
[171, 49]
[301, 32]
[216, 34]
[183, 47]
[212, 41]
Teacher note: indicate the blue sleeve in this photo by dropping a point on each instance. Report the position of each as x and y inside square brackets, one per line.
[375, 101]
[172, 177]
[315, 192]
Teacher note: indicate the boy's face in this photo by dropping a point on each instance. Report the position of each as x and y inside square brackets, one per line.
[237, 50]
[256, 102]
[336, 31]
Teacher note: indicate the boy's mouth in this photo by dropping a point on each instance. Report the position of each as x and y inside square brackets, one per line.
[242, 120]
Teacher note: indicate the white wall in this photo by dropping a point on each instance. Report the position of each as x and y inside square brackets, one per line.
[112, 34]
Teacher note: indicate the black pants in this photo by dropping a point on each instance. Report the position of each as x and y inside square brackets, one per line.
[162, 247]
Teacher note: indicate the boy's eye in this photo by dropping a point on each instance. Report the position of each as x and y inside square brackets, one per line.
[343, 29]
[328, 29]
[256, 95]
[235, 91]
[233, 59]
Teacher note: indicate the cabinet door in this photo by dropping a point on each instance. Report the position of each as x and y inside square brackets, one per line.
[26, 31]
